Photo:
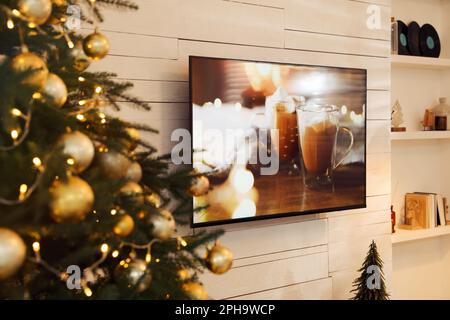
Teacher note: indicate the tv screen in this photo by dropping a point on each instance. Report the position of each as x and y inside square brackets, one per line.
[276, 139]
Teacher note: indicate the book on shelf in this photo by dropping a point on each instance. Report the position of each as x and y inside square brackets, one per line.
[447, 213]
[425, 210]
[440, 209]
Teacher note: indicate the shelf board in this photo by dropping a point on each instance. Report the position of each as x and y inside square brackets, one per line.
[419, 135]
[420, 62]
[401, 236]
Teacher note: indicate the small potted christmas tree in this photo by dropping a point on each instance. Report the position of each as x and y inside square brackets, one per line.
[370, 285]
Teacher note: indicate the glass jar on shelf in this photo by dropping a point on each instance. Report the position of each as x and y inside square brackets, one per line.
[440, 115]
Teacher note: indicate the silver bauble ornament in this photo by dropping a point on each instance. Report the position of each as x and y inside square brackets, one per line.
[134, 172]
[133, 193]
[162, 224]
[80, 148]
[96, 46]
[134, 275]
[35, 11]
[219, 259]
[71, 200]
[29, 61]
[55, 91]
[79, 60]
[113, 165]
[12, 253]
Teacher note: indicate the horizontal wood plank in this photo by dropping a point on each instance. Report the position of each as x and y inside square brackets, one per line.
[344, 227]
[350, 254]
[336, 44]
[314, 290]
[275, 238]
[178, 70]
[206, 20]
[266, 276]
[340, 17]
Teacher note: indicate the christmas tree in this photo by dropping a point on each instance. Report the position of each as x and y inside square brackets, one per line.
[371, 283]
[83, 199]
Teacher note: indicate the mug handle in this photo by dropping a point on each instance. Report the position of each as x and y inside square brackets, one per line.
[347, 152]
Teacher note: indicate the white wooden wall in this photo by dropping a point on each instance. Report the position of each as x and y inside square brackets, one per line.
[314, 257]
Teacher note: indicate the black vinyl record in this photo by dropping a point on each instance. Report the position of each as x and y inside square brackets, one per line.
[402, 38]
[414, 39]
[430, 44]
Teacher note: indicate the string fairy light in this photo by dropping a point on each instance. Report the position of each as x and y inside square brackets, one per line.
[18, 138]
[14, 134]
[148, 257]
[36, 96]
[182, 242]
[10, 24]
[37, 162]
[25, 191]
[98, 89]
[63, 276]
[16, 112]
[87, 291]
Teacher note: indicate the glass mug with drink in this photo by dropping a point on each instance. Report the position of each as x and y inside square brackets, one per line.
[285, 122]
[319, 129]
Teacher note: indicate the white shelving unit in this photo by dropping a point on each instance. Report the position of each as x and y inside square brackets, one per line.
[420, 135]
[420, 62]
[420, 161]
[401, 236]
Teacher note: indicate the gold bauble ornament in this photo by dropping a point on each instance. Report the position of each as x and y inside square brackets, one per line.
[55, 91]
[195, 291]
[162, 224]
[113, 165]
[80, 148]
[219, 259]
[133, 193]
[71, 200]
[12, 253]
[29, 61]
[154, 199]
[134, 172]
[35, 11]
[134, 275]
[199, 187]
[96, 46]
[125, 226]
[59, 9]
[79, 60]
[135, 135]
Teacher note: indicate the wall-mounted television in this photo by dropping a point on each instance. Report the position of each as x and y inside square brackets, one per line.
[276, 139]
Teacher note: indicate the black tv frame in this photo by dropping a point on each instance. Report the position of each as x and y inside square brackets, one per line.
[274, 215]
